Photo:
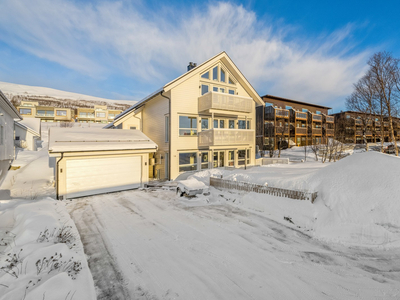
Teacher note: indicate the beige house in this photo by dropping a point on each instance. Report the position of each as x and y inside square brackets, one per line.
[203, 119]
[32, 109]
[97, 114]
[89, 161]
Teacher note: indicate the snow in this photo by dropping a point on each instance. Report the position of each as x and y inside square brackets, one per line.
[32, 124]
[26, 90]
[91, 139]
[153, 244]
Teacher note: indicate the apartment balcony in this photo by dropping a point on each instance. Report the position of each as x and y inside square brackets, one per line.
[283, 113]
[330, 119]
[301, 115]
[330, 132]
[377, 123]
[225, 102]
[316, 131]
[359, 132]
[280, 129]
[358, 122]
[301, 130]
[386, 124]
[317, 118]
[368, 133]
[225, 137]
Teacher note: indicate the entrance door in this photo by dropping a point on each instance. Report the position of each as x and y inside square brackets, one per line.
[219, 159]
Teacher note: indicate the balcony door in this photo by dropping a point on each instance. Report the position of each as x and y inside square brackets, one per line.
[219, 159]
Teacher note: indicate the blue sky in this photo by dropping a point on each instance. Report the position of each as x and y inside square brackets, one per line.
[306, 50]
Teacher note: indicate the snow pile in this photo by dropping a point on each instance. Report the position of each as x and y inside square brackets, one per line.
[358, 200]
[41, 255]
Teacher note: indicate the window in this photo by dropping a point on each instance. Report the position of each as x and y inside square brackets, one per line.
[241, 157]
[62, 113]
[45, 113]
[17, 138]
[111, 116]
[187, 126]
[248, 124]
[25, 111]
[215, 73]
[232, 124]
[304, 110]
[206, 75]
[222, 90]
[318, 112]
[221, 123]
[204, 123]
[248, 156]
[204, 89]
[187, 161]
[132, 127]
[232, 92]
[215, 89]
[230, 81]
[231, 158]
[222, 76]
[242, 124]
[166, 126]
[100, 114]
[204, 160]
[215, 123]
[288, 107]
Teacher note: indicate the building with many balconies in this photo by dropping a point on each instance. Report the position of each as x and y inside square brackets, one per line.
[351, 127]
[286, 122]
[203, 119]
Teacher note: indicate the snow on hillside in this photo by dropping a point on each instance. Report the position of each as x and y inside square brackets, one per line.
[26, 92]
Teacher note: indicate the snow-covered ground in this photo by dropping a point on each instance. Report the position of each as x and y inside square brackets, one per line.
[152, 244]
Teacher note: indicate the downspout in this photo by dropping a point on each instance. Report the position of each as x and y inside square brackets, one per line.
[58, 177]
[169, 134]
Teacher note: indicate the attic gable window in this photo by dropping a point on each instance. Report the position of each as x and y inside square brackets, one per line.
[206, 75]
[222, 76]
[230, 81]
[215, 73]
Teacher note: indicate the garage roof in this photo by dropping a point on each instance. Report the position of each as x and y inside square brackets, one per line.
[96, 139]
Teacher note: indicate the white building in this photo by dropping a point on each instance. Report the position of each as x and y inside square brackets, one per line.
[8, 114]
[28, 133]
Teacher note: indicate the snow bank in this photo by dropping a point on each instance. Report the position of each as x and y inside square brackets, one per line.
[42, 255]
[358, 200]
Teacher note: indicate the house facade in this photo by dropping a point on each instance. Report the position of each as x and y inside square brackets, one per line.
[8, 115]
[203, 119]
[28, 133]
[292, 123]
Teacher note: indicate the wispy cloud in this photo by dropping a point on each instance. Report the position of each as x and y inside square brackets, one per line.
[100, 38]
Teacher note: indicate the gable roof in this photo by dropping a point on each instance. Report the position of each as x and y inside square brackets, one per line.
[223, 56]
[31, 124]
[8, 107]
[96, 139]
[292, 101]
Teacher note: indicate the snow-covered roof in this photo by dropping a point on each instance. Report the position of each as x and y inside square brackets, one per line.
[31, 124]
[95, 139]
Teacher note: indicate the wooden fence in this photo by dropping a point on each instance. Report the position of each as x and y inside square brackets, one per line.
[257, 188]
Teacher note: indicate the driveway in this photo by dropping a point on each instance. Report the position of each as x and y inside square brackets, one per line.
[154, 245]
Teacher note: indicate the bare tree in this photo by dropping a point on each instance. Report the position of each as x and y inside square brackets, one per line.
[384, 71]
[315, 148]
[280, 134]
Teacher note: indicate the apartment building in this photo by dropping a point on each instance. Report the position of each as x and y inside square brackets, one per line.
[351, 126]
[203, 119]
[292, 123]
[96, 114]
[32, 109]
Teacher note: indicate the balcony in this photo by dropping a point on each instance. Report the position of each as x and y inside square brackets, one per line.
[330, 119]
[221, 101]
[358, 122]
[301, 115]
[377, 123]
[316, 131]
[284, 113]
[317, 118]
[330, 132]
[359, 132]
[225, 137]
[386, 124]
[301, 130]
[368, 133]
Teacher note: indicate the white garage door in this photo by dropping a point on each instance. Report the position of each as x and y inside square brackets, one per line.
[102, 175]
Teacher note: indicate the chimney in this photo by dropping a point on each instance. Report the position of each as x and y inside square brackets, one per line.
[191, 66]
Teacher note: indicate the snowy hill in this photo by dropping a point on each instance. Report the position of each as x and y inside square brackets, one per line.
[57, 98]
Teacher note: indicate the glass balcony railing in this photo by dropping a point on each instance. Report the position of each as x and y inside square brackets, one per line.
[225, 137]
[221, 101]
[301, 115]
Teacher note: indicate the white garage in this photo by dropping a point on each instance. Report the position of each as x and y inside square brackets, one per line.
[96, 161]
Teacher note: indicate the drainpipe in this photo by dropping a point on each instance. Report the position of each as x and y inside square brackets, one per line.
[169, 134]
[58, 177]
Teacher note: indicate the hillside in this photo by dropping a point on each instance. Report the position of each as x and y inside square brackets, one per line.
[57, 98]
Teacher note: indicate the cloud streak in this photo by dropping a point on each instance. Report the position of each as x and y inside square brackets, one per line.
[107, 37]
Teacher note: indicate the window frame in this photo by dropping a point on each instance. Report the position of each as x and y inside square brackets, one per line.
[193, 130]
[193, 166]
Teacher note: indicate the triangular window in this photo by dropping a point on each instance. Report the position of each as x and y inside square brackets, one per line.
[206, 75]
[231, 81]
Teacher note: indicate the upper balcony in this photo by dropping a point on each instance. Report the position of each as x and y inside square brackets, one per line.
[225, 137]
[227, 102]
[283, 113]
[316, 118]
[359, 122]
[330, 119]
[301, 115]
